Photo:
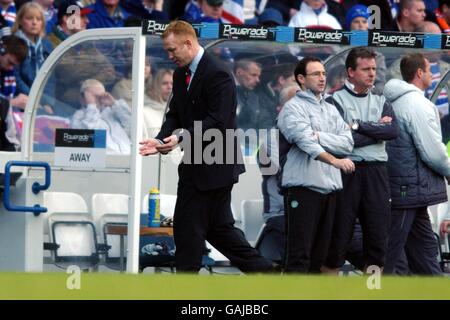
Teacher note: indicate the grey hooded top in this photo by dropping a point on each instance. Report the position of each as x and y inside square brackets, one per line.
[298, 120]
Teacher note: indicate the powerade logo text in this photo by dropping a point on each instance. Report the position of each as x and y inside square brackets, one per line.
[396, 40]
[445, 41]
[154, 27]
[320, 36]
[247, 32]
[80, 138]
[69, 138]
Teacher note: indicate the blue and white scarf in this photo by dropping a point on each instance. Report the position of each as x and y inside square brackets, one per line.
[10, 14]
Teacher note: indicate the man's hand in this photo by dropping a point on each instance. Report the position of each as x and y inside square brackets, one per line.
[444, 227]
[20, 101]
[345, 165]
[385, 119]
[106, 99]
[148, 147]
[48, 109]
[170, 143]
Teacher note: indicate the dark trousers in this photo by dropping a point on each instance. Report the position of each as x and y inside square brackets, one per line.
[411, 234]
[206, 215]
[365, 196]
[272, 241]
[355, 254]
[309, 221]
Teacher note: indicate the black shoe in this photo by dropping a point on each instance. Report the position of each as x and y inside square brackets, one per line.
[276, 268]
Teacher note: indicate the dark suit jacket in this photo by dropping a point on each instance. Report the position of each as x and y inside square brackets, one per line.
[211, 99]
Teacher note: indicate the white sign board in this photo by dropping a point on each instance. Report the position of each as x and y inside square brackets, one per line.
[80, 148]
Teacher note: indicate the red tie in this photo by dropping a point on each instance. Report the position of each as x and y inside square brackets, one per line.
[188, 76]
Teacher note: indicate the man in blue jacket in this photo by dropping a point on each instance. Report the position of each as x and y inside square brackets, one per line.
[107, 14]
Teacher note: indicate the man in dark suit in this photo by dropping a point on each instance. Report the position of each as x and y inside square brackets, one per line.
[203, 92]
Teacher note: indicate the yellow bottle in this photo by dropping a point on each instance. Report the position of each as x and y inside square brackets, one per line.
[154, 218]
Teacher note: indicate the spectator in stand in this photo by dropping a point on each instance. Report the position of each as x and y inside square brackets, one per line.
[249, 113]
[107, 14]
[14, 51]
[64, 29]
[88, 62]
[155, 101]
[145, 9]
[443, 15]
[101, 111]
[50, 14]
[338, 8]
[289, 8]
[203, 11]
[7, 79]
[269, 93]
[123, 89]
[411, 15]
[336, 77]
[30, 26]
[394, 7]
[431, 5]
[387, 12]
[270, 17]
[175, 8]
[5, 29]
[314, 14]
[8, 11]
[357, 19]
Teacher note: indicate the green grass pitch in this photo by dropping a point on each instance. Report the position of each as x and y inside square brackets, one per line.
[252, 287]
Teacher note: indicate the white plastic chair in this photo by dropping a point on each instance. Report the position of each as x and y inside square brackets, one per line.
[70, 229]
[74, 241]
[110, 208]
[61, 203]
[252, 219]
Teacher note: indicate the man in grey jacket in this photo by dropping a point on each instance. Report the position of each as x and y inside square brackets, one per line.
[312, 172]
[418, 163]
[366, 193]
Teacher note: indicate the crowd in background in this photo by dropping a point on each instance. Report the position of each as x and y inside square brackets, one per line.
[44, 24]
[260, 75]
